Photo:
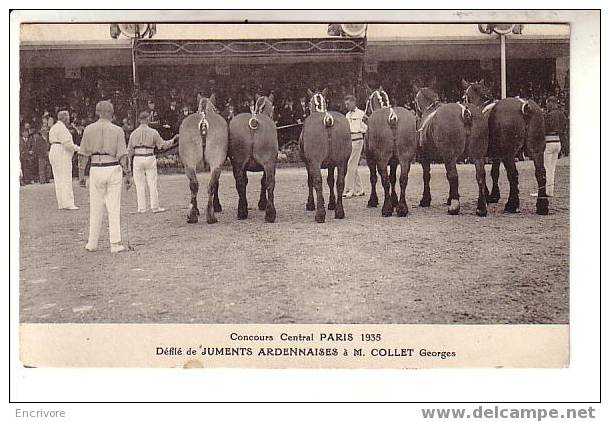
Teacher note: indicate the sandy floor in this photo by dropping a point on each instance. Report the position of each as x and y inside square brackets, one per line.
[426, 268]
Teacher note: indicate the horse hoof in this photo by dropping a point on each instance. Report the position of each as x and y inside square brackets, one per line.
[270, 216]
[339, 214]
[448, 201]
[372, 203]
[262, 206]
[332, 206]
[217, 208]
[320, 218]
[310, 206]
[425, 203]
[542, 210]
[387, 211]
[211, 219]
[511, 208]
[402, 210]
[454, 207]
[242, 215]
[481, 212]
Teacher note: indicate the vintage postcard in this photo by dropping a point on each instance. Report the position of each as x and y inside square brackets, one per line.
[392, 193]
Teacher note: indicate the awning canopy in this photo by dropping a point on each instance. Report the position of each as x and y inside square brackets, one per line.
[287, 50]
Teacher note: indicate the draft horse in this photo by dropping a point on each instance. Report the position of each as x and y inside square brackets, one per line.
[513, 123]
[325, 142]
[390, 140]
[446, 130]
[203, 135]
[253, 146]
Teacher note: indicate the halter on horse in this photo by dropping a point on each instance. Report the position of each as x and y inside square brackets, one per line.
[261, 105]
[318, 103]
[383, 101]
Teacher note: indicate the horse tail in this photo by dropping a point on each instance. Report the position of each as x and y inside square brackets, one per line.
[392, 119]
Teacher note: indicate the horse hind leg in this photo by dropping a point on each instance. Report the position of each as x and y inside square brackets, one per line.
[373, 199]
[401, 208]
[341, 170]
[212, 192]
[310, 206]
[388, 209]
[217, 206]
[542, 203]
[330, 179]
[269, 177]
[452, 178]
[393, 167]
[193, 214]
[512, 205]
[316, 178]
[241, 182]
[479, 165]
[494, 196]
[262, 201]
[426, 198]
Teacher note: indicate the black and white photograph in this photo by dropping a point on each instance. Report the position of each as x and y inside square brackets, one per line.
[294, 174]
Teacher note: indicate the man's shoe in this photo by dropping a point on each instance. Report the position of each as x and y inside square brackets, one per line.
[117, 247]
[348, 195]
[72, 208]
[141, 211]
[90, 248]
[156, 210]
[360, 194]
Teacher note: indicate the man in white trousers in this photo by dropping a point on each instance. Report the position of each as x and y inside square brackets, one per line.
[60, 157]
[142, 144]
[556, 133]
[358, 127]
[104, 143]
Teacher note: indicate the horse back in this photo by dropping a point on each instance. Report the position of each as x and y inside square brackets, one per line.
[513, 123]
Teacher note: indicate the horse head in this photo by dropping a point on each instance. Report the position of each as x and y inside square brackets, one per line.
[377, 99]
[425, 99]
[317, 101]
[207, 105]
[476, 93]
[264, 105]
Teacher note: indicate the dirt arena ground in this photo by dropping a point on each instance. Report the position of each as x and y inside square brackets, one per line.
[426, 268]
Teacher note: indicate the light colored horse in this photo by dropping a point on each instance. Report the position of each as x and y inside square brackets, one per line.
[253, 146]
[325, 142]
[391, 140]
[203, 135]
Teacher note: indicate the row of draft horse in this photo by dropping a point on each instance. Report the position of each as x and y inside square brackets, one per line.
[440, 131]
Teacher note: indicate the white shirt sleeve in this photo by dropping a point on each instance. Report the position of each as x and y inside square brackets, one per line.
[59, 133]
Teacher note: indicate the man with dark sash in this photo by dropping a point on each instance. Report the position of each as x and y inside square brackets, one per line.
[104, 143]
[142, 144]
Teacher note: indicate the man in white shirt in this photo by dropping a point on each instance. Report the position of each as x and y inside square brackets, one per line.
[356, 118]
[60, 157]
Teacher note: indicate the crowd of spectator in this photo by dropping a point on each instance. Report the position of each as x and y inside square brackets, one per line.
[169, 103]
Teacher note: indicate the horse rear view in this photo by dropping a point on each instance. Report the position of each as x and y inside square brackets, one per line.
[512, 123]
[325, 143]
[391, 140]
[253, 146]
[203, 135]
[445, 128]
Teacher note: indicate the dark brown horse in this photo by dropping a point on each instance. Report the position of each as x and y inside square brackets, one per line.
[513, 123]
[253, 146]
[325, 142]
[203, 135]
[391, 140]
[446, 130]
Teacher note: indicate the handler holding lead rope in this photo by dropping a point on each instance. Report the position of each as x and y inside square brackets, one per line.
[104, 143]
[142, 143]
